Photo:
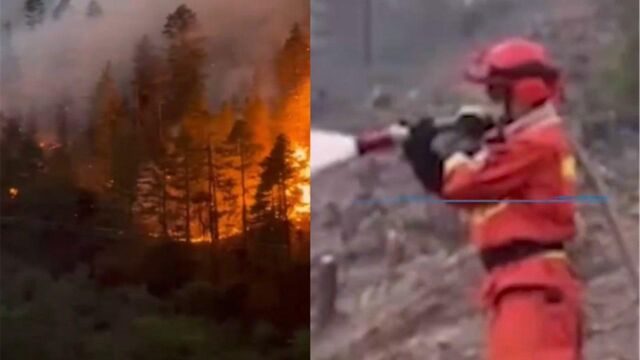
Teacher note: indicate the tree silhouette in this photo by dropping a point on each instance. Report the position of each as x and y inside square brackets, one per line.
[242, 145]
[180, 22]
[186, 61]
[270, 212]
[106, 122]
[292, 61]
[148, 82]
[60, 9]
[34, 12]
[94, 10]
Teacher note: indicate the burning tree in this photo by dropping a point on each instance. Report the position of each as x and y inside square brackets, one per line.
[152, 204]
[186, 169]
[106, 122]
[241, 145]
[292, 62]
[277, 195]
[278, 171]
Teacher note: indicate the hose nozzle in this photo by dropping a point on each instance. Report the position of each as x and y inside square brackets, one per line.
[383, 139]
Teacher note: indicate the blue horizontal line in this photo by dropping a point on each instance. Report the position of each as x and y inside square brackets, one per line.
[583, 199]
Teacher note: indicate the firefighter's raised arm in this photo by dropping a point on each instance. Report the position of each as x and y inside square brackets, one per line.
[493, 173]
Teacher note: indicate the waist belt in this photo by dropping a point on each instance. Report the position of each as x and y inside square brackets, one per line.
[518, 250]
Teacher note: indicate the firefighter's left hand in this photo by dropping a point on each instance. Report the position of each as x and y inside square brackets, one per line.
[426, 164]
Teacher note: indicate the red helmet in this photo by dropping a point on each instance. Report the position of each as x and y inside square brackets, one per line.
[521, 67]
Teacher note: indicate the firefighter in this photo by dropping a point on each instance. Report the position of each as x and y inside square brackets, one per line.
[531, 293]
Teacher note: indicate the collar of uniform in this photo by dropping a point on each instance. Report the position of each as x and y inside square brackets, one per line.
[539, 117]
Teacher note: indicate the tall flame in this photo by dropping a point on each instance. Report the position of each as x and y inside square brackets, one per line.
[296, 124]
[303, 207]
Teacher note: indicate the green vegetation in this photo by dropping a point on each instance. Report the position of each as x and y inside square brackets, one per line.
[72, 317]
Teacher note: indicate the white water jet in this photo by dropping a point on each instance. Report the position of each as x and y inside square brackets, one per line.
[329, 148]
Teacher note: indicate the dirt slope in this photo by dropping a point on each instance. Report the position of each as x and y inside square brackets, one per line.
[407, 280]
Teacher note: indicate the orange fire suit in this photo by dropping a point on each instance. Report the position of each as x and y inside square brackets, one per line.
[534, 302]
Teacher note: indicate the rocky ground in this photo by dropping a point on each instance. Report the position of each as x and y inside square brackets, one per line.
[407, 280]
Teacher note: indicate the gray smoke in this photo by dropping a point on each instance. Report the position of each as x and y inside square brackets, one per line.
[64, 57]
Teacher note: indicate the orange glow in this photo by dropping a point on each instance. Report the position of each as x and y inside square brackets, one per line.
[295, 123]
[303, 208]
[48, 145]
[290, 117]
[13, 192]
[201, 238]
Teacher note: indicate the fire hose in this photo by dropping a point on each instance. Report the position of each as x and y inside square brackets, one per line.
[332, 148]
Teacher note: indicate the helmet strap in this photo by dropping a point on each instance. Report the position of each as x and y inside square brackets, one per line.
[507, 116]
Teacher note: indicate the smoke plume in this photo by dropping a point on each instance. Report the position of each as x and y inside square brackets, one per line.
[64, 55]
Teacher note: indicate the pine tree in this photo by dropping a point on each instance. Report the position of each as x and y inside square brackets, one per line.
[180, 22]
[258, 121]
[186, 167]
[292, 68]
[227, 185]
[148, 86]
[107, 126]
[292, 61]
[212, 189]
[273, 199]
[94, 10]
[186, 62]
[107, 112]
[294, 116]
[241, 141]
[116, 155]
[34, 12]
[125, 165]
[145, 68]
[227, 214]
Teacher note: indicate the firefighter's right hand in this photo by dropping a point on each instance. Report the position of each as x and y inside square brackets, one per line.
[467, 132]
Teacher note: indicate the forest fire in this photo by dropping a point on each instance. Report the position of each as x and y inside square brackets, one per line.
[150, 150]
[303, 208]
[239, 173]
[182, 165]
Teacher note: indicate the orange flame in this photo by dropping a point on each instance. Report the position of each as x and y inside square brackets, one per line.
[303, 208]
[13, 192]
